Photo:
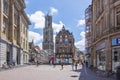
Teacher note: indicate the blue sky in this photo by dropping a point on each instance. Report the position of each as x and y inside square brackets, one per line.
[70, 13]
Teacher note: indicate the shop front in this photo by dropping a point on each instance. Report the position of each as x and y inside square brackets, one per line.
[101, 56]
[115, 53]
[66, 58]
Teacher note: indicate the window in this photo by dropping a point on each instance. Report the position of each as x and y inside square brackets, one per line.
[66, 40]
[21, 41]
[6, 6]
[4, 25]
[21, 27]
[26, 33]
[118, 16]
[15, 17]
[15, 33]
[115, 56]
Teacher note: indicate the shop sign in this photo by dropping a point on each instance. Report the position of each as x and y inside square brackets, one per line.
[118, 40]
[101, 46]
[115, 41]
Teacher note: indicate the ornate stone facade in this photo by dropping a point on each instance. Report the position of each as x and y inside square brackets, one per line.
[64, 46]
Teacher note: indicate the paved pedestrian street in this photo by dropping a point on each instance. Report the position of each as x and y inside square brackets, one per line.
[47, 72]
[42, 72]
[87, 74]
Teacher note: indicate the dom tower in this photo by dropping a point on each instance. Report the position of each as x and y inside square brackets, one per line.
[48, 34]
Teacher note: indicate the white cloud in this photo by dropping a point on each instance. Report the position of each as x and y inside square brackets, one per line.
[81, 44]
[53, 11]
[35, 36]
[38, 19]
[57, 27]
[81, 22]
[82, 34]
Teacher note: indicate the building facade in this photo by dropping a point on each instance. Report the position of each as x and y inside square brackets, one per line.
[13, 32]
[34, 53]
[64, 46]
[88, 33]
[105, 49]
[48, 43]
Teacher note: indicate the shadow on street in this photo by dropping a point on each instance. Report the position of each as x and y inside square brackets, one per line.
[87, 74]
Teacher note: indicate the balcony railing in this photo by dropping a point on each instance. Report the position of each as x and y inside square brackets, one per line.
[107, 32]
[114, 29]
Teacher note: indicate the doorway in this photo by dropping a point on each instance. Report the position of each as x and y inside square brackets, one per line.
[8, 58]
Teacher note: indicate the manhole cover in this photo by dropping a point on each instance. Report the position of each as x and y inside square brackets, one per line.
[73, 76]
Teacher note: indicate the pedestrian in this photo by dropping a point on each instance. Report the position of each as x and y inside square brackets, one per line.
[54, 64]
[61, 62]
[37, 63]
[76, 64]
[86, 62]
[82, 62]
[72, 64]
[5, 66]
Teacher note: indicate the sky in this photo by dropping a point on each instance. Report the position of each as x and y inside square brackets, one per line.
[70, 13]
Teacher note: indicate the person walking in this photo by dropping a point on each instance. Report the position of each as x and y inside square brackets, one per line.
[76, 64]
[61, 62]
[72, 64]
[54, 64]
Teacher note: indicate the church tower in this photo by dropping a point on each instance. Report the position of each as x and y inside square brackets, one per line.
[48, 34]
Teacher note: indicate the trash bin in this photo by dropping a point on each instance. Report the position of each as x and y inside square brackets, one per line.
[118, 73]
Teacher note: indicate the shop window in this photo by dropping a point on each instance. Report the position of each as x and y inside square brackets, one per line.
[115, 56]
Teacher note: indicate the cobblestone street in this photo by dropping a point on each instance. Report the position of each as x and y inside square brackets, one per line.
[45, 72]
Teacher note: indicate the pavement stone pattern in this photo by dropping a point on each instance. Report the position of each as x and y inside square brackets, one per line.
[42, 72]
[87, 74]
[49, 72]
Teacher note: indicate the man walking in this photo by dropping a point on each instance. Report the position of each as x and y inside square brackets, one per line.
[61, 62]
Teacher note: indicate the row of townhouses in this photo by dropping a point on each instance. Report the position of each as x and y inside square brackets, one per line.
[103, 34]
[13, 32]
